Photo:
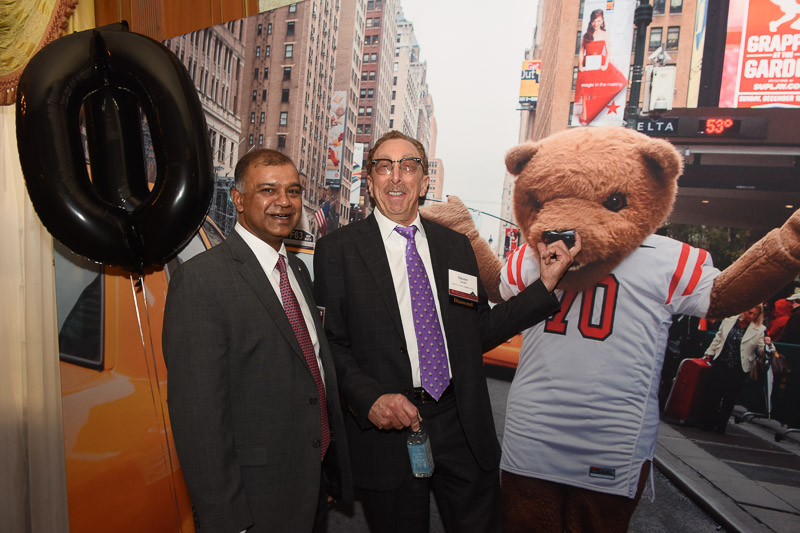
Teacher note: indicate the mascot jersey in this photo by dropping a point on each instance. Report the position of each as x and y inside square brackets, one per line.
[583, 406]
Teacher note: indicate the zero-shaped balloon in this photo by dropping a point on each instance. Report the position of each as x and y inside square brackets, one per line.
[110, 214]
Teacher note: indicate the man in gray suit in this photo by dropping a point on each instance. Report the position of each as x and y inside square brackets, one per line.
[253, 396]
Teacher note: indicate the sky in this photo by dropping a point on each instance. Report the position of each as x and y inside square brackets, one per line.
[474, 51]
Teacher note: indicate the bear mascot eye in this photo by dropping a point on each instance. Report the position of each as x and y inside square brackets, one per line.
[616, 202]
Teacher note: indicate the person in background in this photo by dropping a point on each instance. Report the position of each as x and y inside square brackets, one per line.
[781, 312]
[737, 344]
[791, 331]
[253, 396]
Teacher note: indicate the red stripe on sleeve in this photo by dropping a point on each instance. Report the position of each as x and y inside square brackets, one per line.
[521, 256]
[510, 270]
[676, 277]
[698, 269]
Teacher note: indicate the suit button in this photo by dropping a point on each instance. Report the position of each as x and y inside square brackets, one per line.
[403, 350]
[312, 401]
[317, 443]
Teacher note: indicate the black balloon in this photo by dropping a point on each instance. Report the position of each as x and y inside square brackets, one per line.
[110, 215]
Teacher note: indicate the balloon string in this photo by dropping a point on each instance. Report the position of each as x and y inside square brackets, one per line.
[155, 394]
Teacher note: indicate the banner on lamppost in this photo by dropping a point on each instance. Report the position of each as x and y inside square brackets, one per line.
[529, 80]
[762, 55]
[336, 125]
[355, 187]
[604, 61]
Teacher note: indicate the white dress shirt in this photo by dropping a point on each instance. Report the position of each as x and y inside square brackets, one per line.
[395, 245]
[268, 259]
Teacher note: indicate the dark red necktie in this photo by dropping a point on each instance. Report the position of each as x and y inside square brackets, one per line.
[295, 315]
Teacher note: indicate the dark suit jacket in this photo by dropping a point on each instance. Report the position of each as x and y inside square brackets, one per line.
[362, 319]
[242, 401]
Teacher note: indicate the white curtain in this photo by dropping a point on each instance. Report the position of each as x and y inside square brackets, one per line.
[33, 491]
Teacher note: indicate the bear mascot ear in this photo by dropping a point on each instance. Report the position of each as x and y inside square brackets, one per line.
[518, 157]
[664, 163]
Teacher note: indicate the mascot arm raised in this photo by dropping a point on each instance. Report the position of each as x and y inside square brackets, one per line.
[455, 215]
[760, 272]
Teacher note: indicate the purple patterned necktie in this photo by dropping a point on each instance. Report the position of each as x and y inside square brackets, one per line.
[433, 368]
[295, 315]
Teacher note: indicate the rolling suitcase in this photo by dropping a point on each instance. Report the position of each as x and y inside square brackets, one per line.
[685, 399]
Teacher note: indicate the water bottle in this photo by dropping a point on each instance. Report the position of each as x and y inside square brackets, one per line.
[419, 451]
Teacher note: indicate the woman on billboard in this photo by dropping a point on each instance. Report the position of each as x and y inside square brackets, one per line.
[599, 80]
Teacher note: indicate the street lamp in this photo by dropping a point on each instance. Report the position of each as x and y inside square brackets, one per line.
[641, 18]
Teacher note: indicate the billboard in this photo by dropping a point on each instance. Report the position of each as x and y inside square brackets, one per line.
[529, 80]
[762, 55]
[337, 120]
[603, 63]
[358, 159]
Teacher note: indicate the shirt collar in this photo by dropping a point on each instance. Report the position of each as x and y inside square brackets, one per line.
[266, 254]
[386, 225]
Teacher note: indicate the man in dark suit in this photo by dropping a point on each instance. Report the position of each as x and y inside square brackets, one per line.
[373, 320]
[253, 396]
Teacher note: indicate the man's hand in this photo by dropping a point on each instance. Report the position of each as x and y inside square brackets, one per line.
[555, 259]
[394, 411]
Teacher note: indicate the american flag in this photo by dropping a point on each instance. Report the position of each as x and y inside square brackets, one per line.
[321, 217]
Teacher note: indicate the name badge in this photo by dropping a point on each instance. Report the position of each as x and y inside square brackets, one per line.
[463, 288]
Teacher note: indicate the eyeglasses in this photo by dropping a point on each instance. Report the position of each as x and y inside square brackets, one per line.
[408, 165]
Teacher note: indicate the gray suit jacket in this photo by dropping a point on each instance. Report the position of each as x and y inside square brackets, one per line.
[242, 401]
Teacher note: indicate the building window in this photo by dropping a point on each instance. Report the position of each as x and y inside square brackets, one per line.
[391, 109]
[374, 58]
[281, 141]
[371, 75]
[367, 41]
[394, 80]
[370, 5]
[266, 72]
[263, 116]
[391, 123]
[364, 74]
[676, 6]
[290, 28]
[285, 96]
[369, 111]
[258, 51]
[673, 37]
[255, 74]
[269, 28]
[293, 8]
[580, 10]
[287, 73]
[659, 6]
[574, 77]
[284, 120]
[255, 95]
[263, 95]
[375, 39]
[370, 93]
[578, 43]
[363, 93]
[289, 52]
[267, 50]
[394, 95]
[360, 111]
[252, 117]
[377, 23]
[359, 129]
[366, 58]
[369, 23]
[250, 139]
[259, 33]
[368, 129]
[655, 38]
[261, 139]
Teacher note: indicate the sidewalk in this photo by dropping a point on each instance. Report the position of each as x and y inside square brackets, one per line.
[744, 479]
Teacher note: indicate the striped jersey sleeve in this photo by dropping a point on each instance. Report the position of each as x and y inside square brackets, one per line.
[521, 269]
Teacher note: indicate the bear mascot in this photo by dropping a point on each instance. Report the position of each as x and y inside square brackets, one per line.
[583, 414]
